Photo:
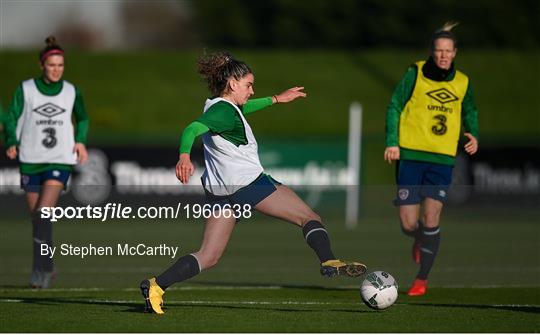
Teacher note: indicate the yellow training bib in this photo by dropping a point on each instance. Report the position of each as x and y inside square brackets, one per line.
[431, 119]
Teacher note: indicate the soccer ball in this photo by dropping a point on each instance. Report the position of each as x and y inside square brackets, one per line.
[379, 290]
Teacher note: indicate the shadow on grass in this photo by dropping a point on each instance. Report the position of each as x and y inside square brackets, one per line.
[17, 287]
[139, 307]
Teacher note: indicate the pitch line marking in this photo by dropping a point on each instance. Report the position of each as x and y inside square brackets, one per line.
[203, 302]
[286, 303]
[130, 289]
[231, 302]
[247, 288]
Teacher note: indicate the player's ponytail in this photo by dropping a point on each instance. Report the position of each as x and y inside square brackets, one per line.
[51, 48]
[217, 68]
[444, 32]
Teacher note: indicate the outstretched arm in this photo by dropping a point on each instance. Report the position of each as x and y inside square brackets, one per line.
[184, 167]
[289, 95]
[284, 97]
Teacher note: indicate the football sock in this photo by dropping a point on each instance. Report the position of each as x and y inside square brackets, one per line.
[414, 233]
[317, 238]
[184, 268]
[431, 238]
[36, 246]
[42, 235]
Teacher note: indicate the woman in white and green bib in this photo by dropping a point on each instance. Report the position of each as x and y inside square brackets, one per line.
[235, 176]
[40, 132]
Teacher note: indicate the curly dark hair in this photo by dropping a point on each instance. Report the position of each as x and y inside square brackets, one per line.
[218, 68]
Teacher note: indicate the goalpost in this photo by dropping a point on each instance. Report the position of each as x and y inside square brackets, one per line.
[353, 165]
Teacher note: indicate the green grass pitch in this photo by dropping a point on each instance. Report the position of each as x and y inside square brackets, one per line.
[486, 278]
[272, 309]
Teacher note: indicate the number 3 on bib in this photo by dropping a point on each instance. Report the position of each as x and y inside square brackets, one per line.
[50, 140]
[440, 127]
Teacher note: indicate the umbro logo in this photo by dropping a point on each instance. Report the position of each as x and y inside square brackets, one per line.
[442, 95]
[49, 110]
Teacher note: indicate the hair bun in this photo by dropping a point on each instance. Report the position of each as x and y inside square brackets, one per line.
[222, 59]
[50, 41]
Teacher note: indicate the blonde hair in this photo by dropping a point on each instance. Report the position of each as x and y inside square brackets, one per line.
[444, 32]
[448, 26]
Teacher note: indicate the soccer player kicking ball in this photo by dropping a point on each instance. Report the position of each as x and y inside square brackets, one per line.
[423, 123]
[234, 176]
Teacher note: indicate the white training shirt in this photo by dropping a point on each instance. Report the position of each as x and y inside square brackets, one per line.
[44, 129]
[229, 167]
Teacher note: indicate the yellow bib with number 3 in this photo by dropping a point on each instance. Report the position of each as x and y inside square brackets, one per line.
[431, 119]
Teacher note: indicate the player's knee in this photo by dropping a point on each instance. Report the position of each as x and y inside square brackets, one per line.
[408, 224]
[209, 260]
[431, 220]
[308, 216]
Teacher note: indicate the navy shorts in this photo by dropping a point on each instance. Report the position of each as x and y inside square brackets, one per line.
[418, 180]
[33, 182]
[251, 194]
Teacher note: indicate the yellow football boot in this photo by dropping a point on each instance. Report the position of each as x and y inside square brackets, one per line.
[153, 296]
[336, 267]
